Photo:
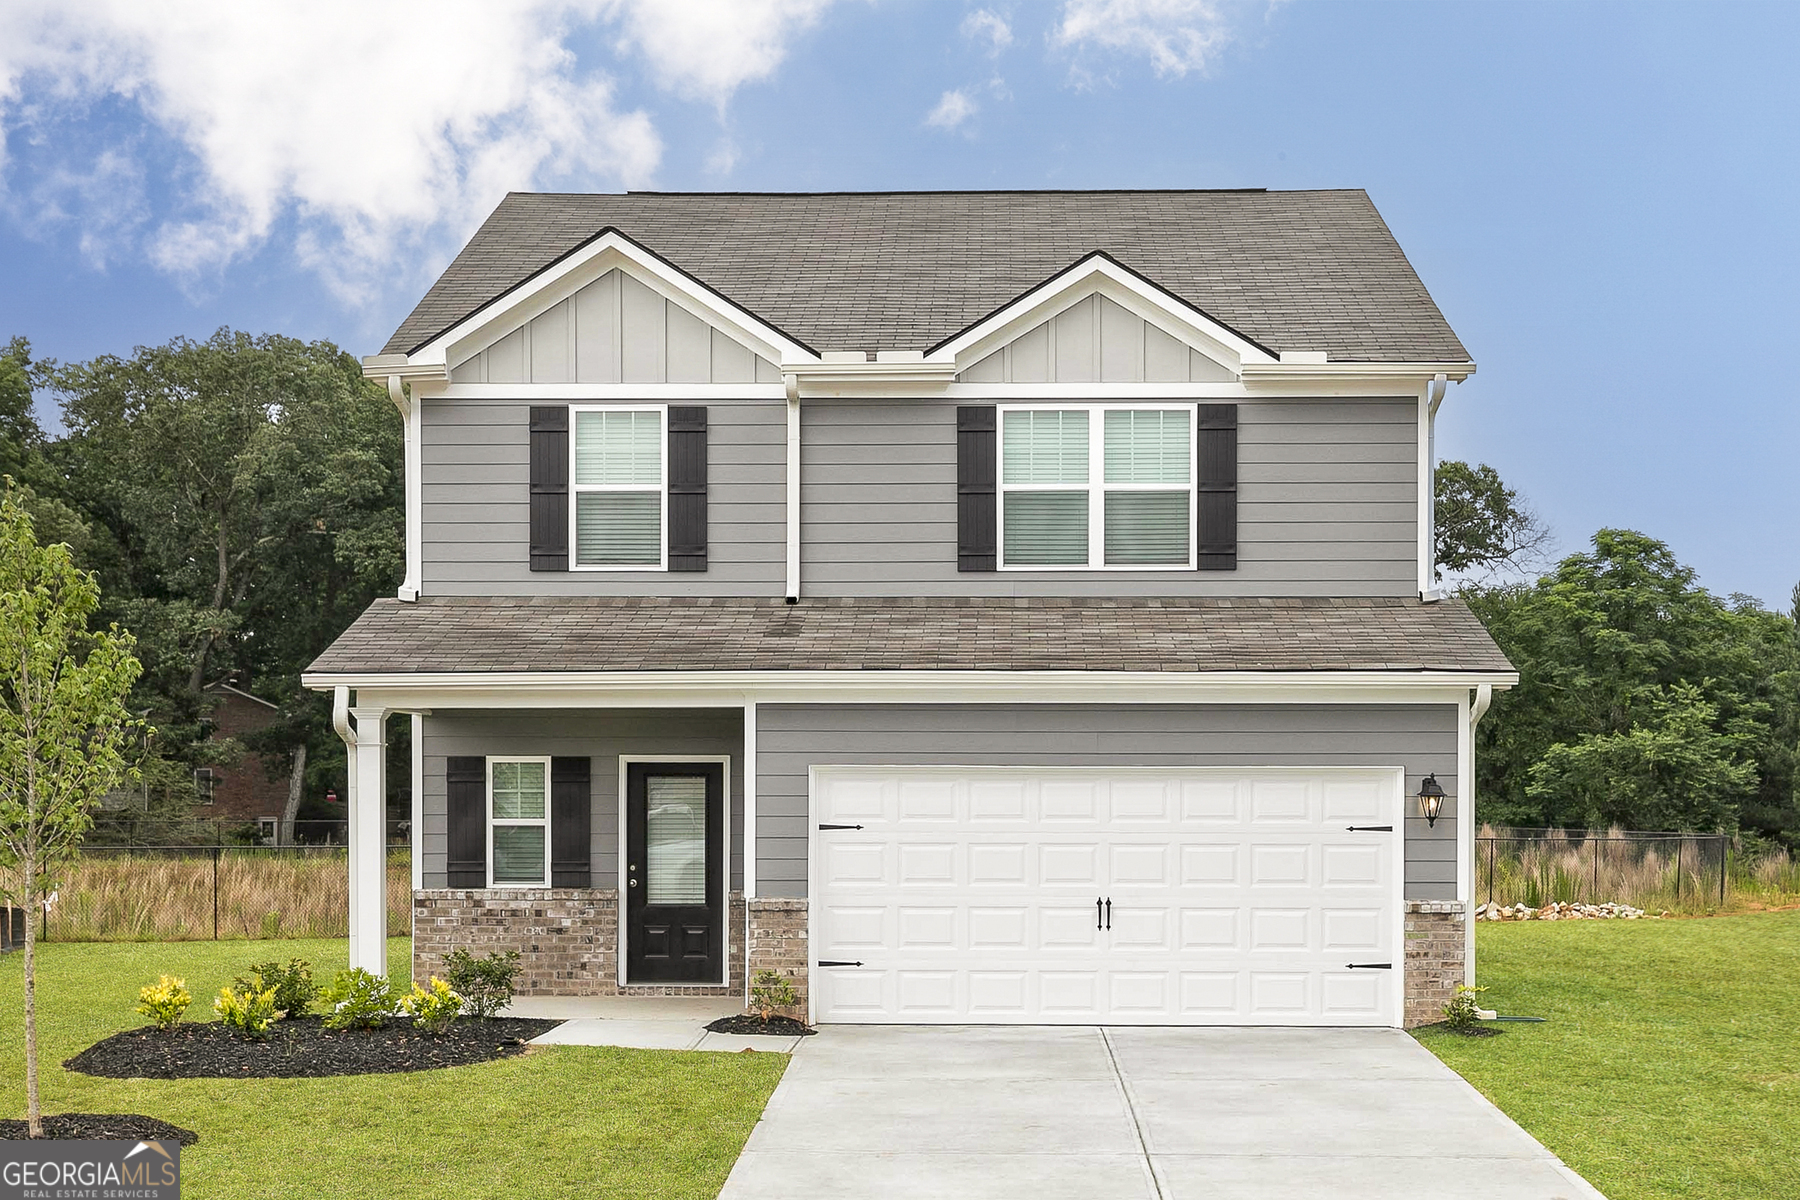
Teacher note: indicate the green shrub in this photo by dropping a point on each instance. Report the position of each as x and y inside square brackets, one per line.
[432, 1010]
[293, 984]
[249, 1012]
[165, 1001]
[486, 983]
[1459, 1014]
[770, 993]
[357, 1000]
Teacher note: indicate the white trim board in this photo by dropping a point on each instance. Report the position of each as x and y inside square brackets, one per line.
[557, 282]
[724, 760]
[735, 689]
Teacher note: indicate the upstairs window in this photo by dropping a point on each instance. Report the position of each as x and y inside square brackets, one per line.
[620, 489]
[1096, 488]
[206, 783]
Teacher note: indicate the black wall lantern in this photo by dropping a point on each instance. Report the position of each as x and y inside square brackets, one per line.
[1431, 799]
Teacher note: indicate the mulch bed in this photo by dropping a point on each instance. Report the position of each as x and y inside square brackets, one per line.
[1474, 1031]
[302, 1048]
[120, 1127]
[773, 1027]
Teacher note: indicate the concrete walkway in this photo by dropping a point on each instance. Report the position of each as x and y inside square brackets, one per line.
[893, 1112]
[641, 1022]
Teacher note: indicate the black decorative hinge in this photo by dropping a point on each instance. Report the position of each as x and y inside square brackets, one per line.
[1370, 828]
[1370, 966]
[840, 827]
[837, 962]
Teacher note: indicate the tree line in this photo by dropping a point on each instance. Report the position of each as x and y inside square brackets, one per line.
[240, 501]
[1644, 701]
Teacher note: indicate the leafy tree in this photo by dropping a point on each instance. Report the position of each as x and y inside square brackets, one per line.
[250, 491]
[1482, 526]
[64, 727]
[1604, 645]
[1672, 769]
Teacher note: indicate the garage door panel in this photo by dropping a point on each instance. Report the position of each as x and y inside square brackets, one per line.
[1237, 897]
[1069, 865]
[928, 864]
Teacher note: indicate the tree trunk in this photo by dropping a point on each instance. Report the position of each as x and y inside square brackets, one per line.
[34, 1115]
[296, 782]
[221, 588]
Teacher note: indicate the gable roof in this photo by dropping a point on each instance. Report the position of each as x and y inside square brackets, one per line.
[873, 271]
[561, 634]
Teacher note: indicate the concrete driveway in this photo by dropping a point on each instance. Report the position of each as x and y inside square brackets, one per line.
[1043, 1113]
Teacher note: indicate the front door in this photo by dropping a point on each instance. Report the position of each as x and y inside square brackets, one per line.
[674, 896]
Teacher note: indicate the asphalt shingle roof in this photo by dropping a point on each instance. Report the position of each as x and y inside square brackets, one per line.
[550, 634]
[1314, 270]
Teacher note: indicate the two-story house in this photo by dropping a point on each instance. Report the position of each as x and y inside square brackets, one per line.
[979, 607]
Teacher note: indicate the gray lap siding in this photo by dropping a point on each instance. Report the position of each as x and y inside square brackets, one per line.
[793, 738]
[1327, 506]
[601, 734]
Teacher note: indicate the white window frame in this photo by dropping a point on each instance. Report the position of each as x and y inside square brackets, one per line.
[1096, 486]
[206, 786]
[575, 489]
[544, 821]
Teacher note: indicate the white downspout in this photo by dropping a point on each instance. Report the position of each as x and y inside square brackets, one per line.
[1484, 696]
[415, 495]
[1435, 396]
[793, 487]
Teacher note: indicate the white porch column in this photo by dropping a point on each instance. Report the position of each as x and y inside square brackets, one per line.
[368, 842]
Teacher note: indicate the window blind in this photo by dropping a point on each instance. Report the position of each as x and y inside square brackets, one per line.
[618, 528]
[1046, 447]
[675, 839]
[618, 448]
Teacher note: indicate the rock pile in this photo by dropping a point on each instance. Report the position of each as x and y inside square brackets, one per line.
[1561, 912]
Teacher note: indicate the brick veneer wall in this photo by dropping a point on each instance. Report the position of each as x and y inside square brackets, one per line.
[567, 938]
[778, 941]
[1435, 949]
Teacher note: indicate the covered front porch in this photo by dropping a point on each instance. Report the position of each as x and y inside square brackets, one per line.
[604, 842]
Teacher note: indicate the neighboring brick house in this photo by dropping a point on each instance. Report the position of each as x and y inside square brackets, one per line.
[979, 607]
[253, 787]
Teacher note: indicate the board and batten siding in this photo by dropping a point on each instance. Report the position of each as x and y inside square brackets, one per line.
[600, 734]
[476, 478]
[1327, 505]
[616, 330]
[791, 739]
[1097, 341]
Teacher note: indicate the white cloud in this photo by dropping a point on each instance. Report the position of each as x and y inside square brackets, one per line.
[710, 48]
[953, 108]
[381, 130]
[1177, 36]
[985, 25]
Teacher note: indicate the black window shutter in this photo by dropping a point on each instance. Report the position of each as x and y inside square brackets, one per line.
[550, 487]
[465, 792]
[687, 489]
[977, 467]
[1217, 456]
[571, 801]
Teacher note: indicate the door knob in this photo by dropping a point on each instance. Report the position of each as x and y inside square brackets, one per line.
[634, 883]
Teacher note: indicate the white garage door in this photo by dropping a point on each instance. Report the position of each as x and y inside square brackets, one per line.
[1190, 897]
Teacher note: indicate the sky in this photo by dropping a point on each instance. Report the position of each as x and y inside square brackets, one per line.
[1601, 197]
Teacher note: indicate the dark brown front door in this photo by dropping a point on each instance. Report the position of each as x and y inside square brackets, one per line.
[674, 897]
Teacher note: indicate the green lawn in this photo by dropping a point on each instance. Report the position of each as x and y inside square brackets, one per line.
[557, 1122]
[1670, 1065]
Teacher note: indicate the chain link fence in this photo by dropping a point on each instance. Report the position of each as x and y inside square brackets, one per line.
[187, 890]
